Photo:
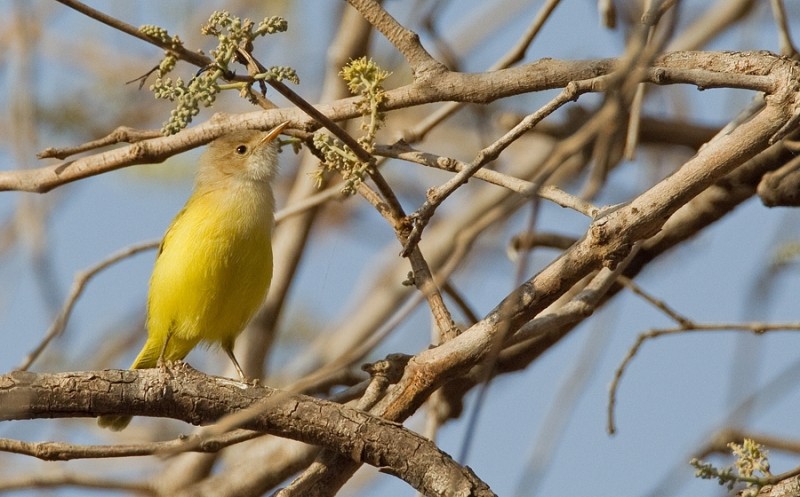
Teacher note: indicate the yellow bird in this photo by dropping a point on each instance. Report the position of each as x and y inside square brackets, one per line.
[214, 265]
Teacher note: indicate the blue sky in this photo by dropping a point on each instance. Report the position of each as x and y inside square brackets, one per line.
[677, 391]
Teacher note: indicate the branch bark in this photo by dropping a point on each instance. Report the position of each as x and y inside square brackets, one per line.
[750, 70]
[191, 396]
[607, 241]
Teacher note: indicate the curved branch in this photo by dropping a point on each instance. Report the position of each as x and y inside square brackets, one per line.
[750, 70]
[79, 283]
[193, 397]
[607, 241]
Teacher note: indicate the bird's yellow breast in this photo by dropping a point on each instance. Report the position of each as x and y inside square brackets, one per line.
[213, 270]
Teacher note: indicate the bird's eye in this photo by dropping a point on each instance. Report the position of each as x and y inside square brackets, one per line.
[241, 149]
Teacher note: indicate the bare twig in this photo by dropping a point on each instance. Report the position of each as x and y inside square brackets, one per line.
[62, 451]
[403, 151]
[514, 55]
[681, 320]
[119, 135]
[80, 281]
[757, 328]
[635, 114]
[311, 202]
[352, 355]
[438, 195]
[195, 58]
[563, 407]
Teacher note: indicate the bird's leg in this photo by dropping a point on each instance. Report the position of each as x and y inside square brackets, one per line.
[162, 363]
[229, 350]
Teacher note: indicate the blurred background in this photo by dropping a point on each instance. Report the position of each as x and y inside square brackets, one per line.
[541, 431]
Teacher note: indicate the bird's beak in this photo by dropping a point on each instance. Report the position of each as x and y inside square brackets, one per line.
[273, 133]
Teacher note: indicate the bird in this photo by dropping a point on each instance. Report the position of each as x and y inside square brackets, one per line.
[214, 264]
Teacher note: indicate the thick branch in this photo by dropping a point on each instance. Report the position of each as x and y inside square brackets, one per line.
[607, 241]
[193, 397]
[750, 70]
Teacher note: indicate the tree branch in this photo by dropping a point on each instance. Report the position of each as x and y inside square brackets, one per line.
[406, 41]
[606, 242]
[193, 397]
[60, 451]
[751, 70]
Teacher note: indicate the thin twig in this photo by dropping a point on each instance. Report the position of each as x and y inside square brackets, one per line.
[757, 328]
[183, 53]
[439, 194]
[123, 134]
[349, 357]
[80, 281]
[403, 151]
[514, 55]
[62, 451]
[517, 52]
[634, 287]
[562, 407]
[423, 278]
[527, 241]
[200, 60]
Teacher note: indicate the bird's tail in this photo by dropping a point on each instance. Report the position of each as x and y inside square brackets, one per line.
[147, 358]
[114, 422]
